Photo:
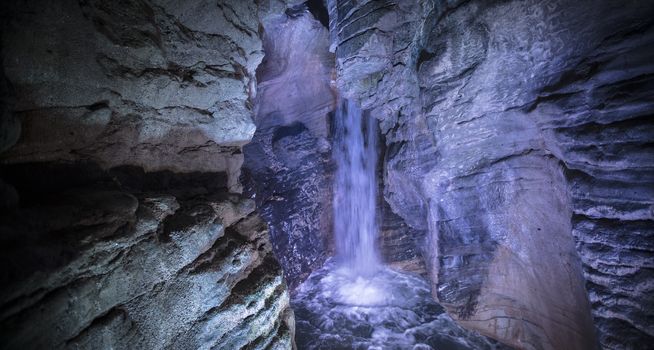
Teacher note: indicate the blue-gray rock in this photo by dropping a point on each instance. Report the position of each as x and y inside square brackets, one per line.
[288, 166]
[121, 137]
[155, 84]
[100, 263]
[518, 136]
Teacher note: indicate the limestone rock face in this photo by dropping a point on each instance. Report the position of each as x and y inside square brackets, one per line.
[121, 132]
[517, 134]
[401, 246]
[154, 84]
[288, 166]
[598, 120]
[108, 264]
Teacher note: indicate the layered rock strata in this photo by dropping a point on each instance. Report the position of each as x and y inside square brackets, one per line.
[401, 246]
[157, 84]
[598, 120]
[121, 223]
[517, 135]
[106, 263]
[288, 164]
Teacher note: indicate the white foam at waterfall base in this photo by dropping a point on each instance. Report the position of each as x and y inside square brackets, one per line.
[361, 291]
[355, 289]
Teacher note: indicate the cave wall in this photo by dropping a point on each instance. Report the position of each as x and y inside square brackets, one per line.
[106, 263]
[288, 165]
[156, 85]
[518, 134]
[121, 222]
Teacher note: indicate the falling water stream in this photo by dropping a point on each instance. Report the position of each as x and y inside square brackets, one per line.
[353, 301]
[355, 190]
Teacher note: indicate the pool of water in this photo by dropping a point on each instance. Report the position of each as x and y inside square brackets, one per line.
[336, 308]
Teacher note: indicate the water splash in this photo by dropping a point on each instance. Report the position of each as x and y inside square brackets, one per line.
[355, 190]
[389, 310]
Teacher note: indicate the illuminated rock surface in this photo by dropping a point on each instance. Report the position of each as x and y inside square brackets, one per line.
[136, 262]
[153, 84]
[518, 135]
[120, 222]
[288, 163]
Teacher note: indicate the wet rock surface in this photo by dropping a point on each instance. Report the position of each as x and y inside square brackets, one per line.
[288, 166]
[401, 246]
[518, 136]
[101, 265]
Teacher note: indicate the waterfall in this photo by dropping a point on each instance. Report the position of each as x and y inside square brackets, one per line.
[355, 189]
[353, 301]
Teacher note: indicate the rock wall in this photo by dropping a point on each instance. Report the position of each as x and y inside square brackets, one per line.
[152, 84]
[288, 164]
[121, 225]
[401, 246]
[105, 263]
[518, 136]
[597, 118]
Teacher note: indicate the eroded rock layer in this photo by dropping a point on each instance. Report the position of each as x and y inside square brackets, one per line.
[288, 165]
[153, 84]
[599, 120]
[121, 225]
[95, 261]
[518, 136]
[401, 246]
